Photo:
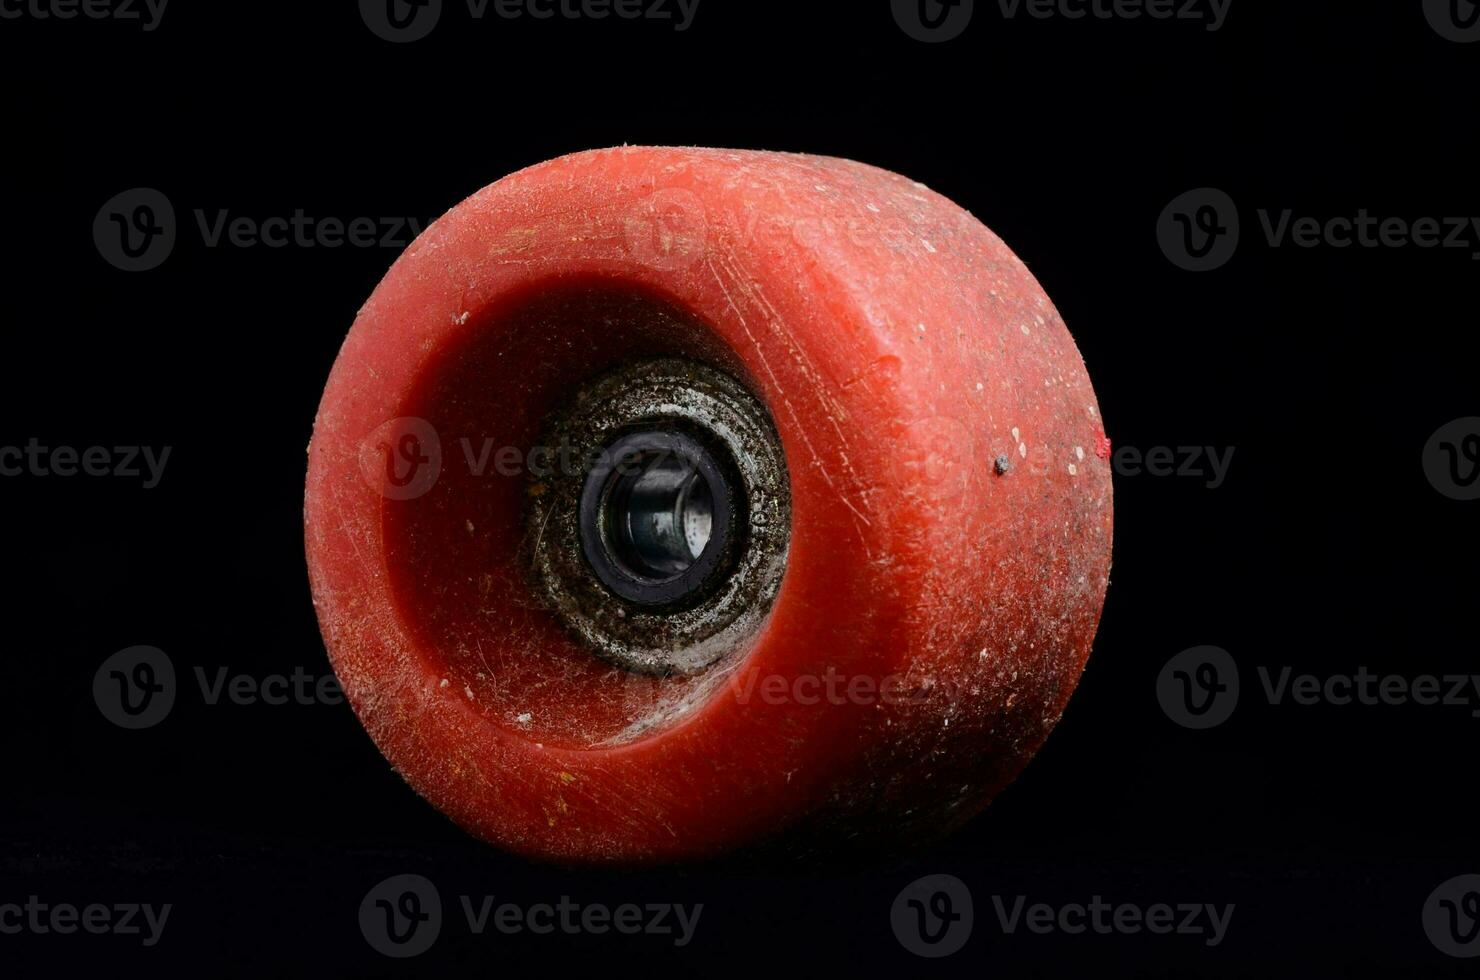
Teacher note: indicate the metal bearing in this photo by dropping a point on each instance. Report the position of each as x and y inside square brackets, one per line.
[663, 546]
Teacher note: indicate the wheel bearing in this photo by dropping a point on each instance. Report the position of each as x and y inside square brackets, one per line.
[664, 549]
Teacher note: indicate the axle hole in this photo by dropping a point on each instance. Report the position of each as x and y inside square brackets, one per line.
[657, 517]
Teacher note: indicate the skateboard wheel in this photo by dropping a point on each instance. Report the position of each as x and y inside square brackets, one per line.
[666, 502]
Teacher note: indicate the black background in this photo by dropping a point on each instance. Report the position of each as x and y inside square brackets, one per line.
[1325, 550]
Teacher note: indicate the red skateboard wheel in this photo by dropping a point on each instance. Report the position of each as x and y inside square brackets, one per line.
[663, 502]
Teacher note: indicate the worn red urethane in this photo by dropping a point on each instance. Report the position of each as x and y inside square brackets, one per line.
[905, 354]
